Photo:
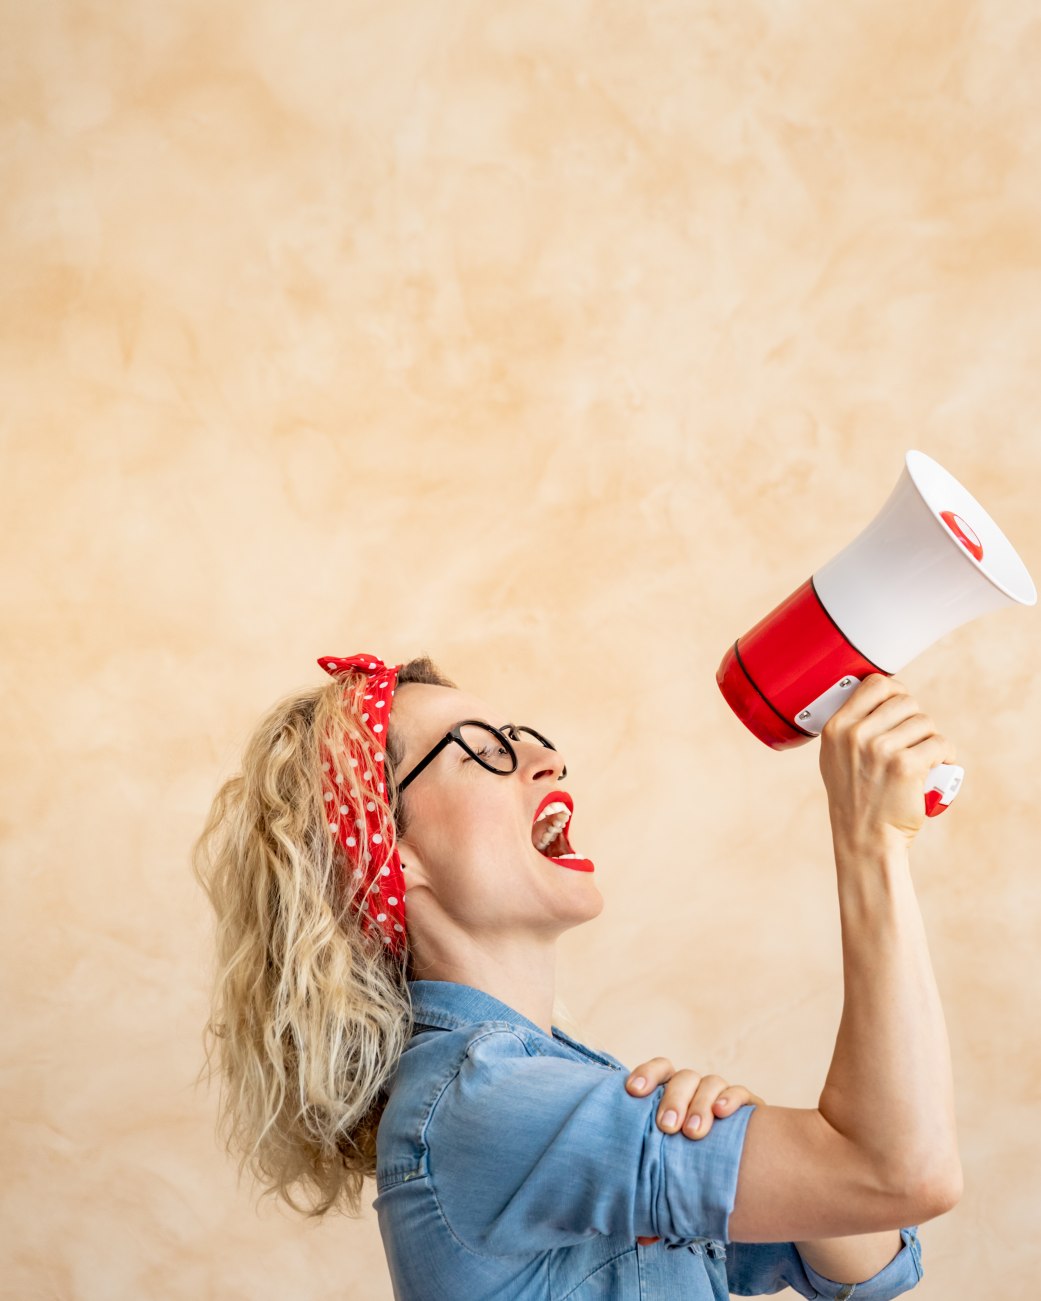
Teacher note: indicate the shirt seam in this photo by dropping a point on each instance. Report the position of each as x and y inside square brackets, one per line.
[406, 1169]
[499, 1029]
[622, 1251]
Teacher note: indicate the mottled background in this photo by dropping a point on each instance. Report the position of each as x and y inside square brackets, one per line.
[560, 341]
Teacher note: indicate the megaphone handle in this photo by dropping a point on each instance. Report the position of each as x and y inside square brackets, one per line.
[941, 786]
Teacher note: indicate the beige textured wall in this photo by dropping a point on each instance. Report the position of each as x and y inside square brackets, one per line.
[560, 341]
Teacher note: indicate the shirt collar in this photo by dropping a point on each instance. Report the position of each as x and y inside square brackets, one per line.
[450, 1006]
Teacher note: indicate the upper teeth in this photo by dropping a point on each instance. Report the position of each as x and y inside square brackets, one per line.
[553, 818]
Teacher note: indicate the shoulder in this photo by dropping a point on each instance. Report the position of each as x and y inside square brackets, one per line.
[434, 1060]
[489, 1077]
[504, 1079]
[477, 1056]
[429, 1072]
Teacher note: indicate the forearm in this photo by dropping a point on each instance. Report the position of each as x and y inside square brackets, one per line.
[889, 1089]
[851, 1260]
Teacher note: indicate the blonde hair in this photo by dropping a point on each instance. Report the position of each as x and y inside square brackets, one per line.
[309, 1015]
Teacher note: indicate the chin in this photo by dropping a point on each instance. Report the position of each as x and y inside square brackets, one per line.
[590, 906]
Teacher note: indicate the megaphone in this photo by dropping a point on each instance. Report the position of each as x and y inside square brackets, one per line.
[931, 560]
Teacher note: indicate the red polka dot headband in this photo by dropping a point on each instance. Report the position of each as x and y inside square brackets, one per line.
[363, 833]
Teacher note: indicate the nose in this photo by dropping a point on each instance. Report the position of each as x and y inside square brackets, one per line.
[536, 761]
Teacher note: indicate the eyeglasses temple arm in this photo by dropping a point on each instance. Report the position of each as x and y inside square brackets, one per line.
[445, 740]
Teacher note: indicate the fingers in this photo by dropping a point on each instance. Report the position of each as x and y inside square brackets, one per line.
[687, 1100]
[875, 692]
[729, 1101]
[911, 742]
[883, 708]
[690, 1102]
[714, 1098]
[882, 716]
[933, 750]
[648, 1075]
[680, 1087]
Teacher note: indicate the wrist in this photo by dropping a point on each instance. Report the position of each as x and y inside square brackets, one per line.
[879, 849]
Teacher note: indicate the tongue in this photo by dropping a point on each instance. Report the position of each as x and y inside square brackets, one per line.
[557, 846]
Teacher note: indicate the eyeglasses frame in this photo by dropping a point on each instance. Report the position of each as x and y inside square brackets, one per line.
[455, 734]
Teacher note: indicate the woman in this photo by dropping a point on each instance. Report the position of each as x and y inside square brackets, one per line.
[510, 1159]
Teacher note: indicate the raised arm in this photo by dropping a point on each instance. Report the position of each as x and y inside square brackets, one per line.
[880, 1151]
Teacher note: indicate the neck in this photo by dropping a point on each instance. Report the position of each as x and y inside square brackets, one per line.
[520, 971]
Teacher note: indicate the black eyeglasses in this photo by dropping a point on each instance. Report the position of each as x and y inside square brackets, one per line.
[488, 745]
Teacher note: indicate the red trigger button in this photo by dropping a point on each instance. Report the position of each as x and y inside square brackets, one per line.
[933, 807]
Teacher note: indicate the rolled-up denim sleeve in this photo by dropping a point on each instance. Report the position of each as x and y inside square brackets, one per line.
[761, 1268]
[531, 1153]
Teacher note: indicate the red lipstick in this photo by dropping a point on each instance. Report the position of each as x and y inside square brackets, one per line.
[575, 864]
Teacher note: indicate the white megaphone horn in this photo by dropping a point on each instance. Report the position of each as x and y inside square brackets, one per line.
[930, 560]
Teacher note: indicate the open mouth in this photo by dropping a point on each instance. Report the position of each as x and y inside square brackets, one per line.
[549, 832]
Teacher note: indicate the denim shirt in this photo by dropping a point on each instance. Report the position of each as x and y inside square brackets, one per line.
[512, 1164]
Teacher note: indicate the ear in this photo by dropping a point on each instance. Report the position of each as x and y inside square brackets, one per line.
[411, 863]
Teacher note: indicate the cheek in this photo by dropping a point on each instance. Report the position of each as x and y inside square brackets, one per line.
[478, 844]
[480, 831]
[468, 828]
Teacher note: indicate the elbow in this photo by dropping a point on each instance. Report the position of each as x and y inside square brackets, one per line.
[952, 1186]
[930, 1195]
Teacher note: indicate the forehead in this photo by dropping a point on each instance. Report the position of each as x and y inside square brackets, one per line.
[422, 714]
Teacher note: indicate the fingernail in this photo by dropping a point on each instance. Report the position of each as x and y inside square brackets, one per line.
[639, 1082]
[669, 1119]
[723, 1102]
[694, 1124]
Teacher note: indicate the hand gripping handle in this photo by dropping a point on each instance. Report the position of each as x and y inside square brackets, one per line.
[942, 784]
